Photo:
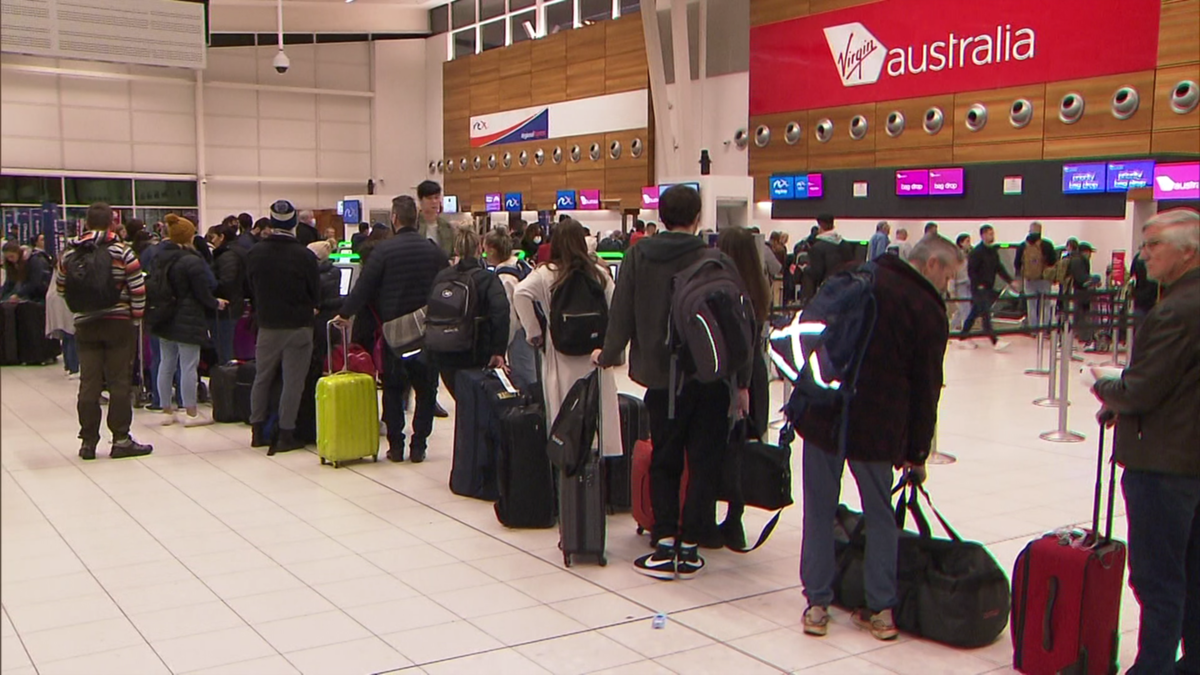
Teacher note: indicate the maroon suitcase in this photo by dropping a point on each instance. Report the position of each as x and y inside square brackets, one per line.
[1066, 598]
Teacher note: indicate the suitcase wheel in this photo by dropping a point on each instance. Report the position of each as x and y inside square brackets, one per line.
[337, 465]
[375, 458]
[323, 462]
[567, 559]
[604, 561]
[641, 530]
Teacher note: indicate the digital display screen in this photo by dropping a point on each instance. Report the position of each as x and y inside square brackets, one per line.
[347, 275]
[803, 186]
[1084, 178]
[352, 211]
[1125, 176]
[816, 186]
[612, 269]
[946, 182]
[493, 203]
[589, 200]
[1177, 181]
[784, 187]
[514, 201]
[565, 200]
[450, 204]
[912, 182]
[650, 197]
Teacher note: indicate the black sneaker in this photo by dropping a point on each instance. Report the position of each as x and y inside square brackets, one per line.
[416, 455]
[258, 436]
[661, 564]
[287, 442]
[87, 450]
[712, 538]
[396, 455]
[130, 448]
[734, 535]
[689, 562]
[440, 412]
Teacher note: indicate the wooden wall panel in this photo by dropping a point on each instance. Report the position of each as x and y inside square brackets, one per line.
[841, 143]
[762, 188]
[522, 184]
[627, 159]
[480, 186]
[1097, 94]
[997, 152]
[548, 86]
[626, 72]
[1166, 80]
[545, 184]
[914, 135]
[1178, 36]
[517, 91]
[819, 6]
[550, 52]
[625, 35]
[587, 43]
[516, 59]
[771, 11]
[1176, 141]
[625, 184]
[841, 160]
[586, 180]
[902, 157]
[778, 156]
[456, 90]
[999, 103]
[1112, 145]
[585, 79]
[485, 97]
[585, 163]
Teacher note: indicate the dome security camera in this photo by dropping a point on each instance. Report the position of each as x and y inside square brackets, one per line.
[281, 62]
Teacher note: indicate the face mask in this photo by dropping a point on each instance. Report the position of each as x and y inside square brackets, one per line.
[537, 240]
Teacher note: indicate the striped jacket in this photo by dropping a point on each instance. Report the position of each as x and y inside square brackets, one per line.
[127, 272]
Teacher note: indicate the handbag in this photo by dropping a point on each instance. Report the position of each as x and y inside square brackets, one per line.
[950, 590]
[358, 360]
[406, 333]
[758, 474]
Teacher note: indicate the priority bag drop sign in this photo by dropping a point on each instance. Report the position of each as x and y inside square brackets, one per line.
[897, 49]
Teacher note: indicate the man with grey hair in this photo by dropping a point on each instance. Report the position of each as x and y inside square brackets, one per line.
[1155, 406]
[396, 282]
[891, 425]
[879, 241]
[902, 246]
[306, 231]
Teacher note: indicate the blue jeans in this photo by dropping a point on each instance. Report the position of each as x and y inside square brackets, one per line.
[822, 489]
[186, 358]
[222, 331]
[70, 353]
[1164, 569]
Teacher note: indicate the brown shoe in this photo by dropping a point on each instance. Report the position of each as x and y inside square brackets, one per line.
[881, 624]
[816, 620]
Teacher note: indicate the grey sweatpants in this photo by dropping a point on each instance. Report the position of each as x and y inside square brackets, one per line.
[290, 350]
[822, 489]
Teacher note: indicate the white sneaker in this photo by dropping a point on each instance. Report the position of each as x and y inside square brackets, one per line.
[170, 418]
[197, 420]
[72, 376]
[967, 344]
[1002, 346]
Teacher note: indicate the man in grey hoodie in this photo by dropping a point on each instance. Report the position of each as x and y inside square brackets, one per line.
[829, 253]
[700, 427]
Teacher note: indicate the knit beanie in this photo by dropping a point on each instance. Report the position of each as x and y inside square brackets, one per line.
[322, 248]
[283, 215]
[180, 230]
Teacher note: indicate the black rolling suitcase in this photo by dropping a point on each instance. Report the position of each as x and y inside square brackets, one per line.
[582, 516]
[8, 335]
[525, 478]
[635, 426]
[33, 347]
[481, 397]
[230, 386]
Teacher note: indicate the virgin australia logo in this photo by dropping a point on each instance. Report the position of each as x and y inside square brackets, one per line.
[858, 54]
[1169, 184]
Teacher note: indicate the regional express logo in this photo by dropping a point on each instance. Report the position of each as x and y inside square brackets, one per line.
[779, 185]
[860, 57]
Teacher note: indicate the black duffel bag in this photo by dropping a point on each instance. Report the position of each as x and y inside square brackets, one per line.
[758, 474]
[950, 590]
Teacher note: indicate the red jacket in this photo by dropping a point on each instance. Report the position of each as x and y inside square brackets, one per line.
[894, 411]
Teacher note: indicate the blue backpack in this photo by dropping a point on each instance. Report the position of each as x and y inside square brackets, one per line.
[821, 351]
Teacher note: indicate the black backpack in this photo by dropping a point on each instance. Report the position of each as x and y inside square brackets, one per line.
[578, 315]
[161, 299]
[519, 270]
[712, 323]
[90, 286]
[452, 313]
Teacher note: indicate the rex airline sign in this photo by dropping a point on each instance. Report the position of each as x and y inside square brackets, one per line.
[898, 49]
[596, 115]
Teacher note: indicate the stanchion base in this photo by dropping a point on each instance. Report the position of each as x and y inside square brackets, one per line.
[1061, 436]
[1046, 402]
[1037, 372]
[1076, 357]
[940, 458]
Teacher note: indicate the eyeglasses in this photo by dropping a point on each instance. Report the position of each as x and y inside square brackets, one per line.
[1151, 243]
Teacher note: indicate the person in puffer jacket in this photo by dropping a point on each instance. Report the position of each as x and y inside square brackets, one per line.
[182, 335]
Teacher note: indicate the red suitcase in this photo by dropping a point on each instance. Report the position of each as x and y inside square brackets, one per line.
[1066, 598]
[639, 481]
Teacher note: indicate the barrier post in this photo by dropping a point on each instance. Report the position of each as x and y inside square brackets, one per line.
[1051, 400]
[1039, 370]
[1062, 434]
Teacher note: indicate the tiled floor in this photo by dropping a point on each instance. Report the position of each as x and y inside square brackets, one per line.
[209, 557]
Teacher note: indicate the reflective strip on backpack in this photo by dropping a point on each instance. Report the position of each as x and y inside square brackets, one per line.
[712, 344]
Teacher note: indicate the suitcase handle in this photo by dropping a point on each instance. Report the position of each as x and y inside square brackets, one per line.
[1112, 489]
[345, 333]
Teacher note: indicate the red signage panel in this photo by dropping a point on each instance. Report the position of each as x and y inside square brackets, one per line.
[897, 49]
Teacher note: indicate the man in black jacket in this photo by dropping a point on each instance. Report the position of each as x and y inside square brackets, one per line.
[306, 231]
[283, 276]
[1156, 400]
[396, 281]
[983, 266]
[1079, 280]
[641, 306]
[891, 425]
[829, 252]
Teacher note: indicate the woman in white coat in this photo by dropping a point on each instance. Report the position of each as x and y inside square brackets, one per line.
[568, 255]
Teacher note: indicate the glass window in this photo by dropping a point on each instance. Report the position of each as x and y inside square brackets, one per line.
[595, 10]
[517, 22]
[559, 16]
[439, 19]
[157, 215]
[514, 5]
[464, 43]
[490, 9]
[114, 191]
[463, 13]
[30, 190]
[165, 192]
[630, 7]
[491, 34]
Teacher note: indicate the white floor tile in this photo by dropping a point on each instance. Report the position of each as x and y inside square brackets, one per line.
[369, 655]
[577, 654]
[62, 613]
[716, 660]
[499, 662]
[395, 616]
[208, 650]
[179, 622]
[268, 665]
[137, 659]
[445, 641]
[80, 640]
[496, 598]
[276, 605]
[643, 638]
[313, 630]
[528, 625]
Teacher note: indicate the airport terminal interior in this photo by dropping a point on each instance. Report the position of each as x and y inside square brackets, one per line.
[208, 556]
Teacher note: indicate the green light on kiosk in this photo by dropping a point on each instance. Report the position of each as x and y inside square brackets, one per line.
[349, 257]
[611, 255]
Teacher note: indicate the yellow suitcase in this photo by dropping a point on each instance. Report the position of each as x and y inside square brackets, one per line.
[347, 416]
